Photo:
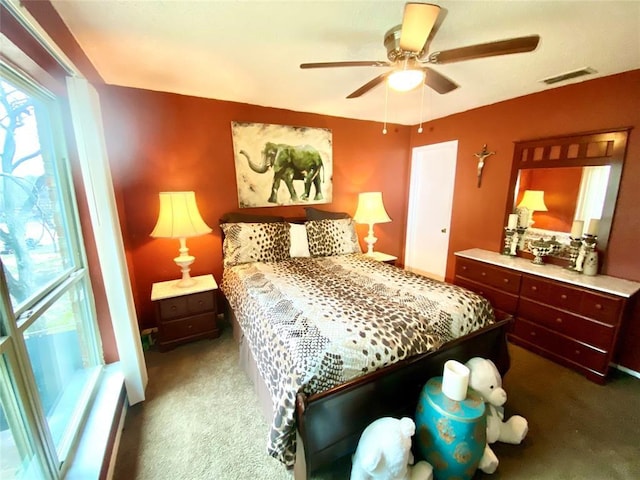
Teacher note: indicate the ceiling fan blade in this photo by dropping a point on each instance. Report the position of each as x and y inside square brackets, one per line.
[501, 47]
[369, 85]
[417, 22]
[438, 82]
[372, 63]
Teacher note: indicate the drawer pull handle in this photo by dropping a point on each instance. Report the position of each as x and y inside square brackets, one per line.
[190, 326]
[598, 306]
[506, 280]
[481, 293]
[464, 267]
[173, 308]
[559, 320]
[563, 296]
[577, 352]
[200, 303]
[534, 288]
[533, 334]
[484, 274]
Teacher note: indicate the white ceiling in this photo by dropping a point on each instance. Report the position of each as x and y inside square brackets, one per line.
[250, 51]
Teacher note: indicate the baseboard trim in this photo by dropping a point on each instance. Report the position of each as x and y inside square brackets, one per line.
[628, 371]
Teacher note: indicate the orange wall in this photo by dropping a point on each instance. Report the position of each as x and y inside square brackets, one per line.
[161, 141]
[479, 214]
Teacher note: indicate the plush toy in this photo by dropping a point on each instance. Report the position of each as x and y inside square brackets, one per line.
[384, 452]
[485, 379]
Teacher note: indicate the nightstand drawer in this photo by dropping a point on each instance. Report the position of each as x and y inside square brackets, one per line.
[504, 280]
[184, 328]
[201, 302]
[186, 305]
[173, 307]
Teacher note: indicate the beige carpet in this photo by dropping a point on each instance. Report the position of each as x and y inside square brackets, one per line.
[201, 421]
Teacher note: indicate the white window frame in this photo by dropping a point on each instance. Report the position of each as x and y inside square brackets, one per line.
[104, 219]
[14, 321]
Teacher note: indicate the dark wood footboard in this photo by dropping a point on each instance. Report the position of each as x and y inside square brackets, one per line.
[330, 423]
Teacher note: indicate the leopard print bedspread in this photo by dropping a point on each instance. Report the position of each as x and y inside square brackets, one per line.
[314, 323]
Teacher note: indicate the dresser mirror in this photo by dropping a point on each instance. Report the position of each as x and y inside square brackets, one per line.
[574, 177]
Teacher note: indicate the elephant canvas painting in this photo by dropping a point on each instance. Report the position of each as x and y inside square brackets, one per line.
[282, 165]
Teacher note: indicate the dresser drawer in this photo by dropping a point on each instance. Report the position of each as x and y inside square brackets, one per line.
[561, 346]
[552, 293]
[601, 307]
[499, 278]
[500, 300]
[187, 327]
[593, 333]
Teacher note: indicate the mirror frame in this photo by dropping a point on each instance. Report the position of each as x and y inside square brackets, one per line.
[605, 147]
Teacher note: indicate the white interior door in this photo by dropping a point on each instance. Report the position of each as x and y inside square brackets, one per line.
[433, 170]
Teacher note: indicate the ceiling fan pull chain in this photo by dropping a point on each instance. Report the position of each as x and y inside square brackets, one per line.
[421, 108]
[386, 107]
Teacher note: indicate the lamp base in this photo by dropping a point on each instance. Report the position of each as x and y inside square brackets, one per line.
[370, 239]
[185, 281]
[184, 261]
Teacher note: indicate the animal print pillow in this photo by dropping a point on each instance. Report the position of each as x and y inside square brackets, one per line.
[255, 242]
[332, 237]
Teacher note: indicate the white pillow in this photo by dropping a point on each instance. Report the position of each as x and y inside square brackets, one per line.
[299, 242]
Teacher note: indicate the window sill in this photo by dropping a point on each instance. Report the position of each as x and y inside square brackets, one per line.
[92, 458]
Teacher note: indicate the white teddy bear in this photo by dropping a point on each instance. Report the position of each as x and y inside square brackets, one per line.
[486, 380]
[384, 452]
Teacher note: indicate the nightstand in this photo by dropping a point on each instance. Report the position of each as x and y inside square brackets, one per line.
[185, 314]
[383, 257]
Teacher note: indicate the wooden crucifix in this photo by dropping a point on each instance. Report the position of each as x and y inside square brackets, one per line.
[481, 156]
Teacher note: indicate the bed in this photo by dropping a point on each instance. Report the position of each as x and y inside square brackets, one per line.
[333, 339]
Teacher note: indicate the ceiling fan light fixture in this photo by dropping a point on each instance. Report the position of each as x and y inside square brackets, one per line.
[405, 80]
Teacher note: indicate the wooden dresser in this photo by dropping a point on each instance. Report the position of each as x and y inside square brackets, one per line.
[565, 316]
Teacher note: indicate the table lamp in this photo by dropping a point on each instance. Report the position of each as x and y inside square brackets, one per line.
[533, 201]
[179, 218]
[371, 210]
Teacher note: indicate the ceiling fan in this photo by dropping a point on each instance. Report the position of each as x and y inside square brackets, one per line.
[406, 50]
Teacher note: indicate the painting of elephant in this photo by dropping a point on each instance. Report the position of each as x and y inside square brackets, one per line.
[282, 165]
[289, 163]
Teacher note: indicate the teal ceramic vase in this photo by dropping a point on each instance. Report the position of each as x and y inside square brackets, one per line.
[451, 435]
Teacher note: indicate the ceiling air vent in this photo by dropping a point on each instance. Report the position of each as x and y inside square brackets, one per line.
[569, 75]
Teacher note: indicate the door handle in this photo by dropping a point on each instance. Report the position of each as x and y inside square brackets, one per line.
[444, 230]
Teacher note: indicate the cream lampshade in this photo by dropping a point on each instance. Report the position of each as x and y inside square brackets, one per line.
[179, 218]
[533, 201]
[370, 211]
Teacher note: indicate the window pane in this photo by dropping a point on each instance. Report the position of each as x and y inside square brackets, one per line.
[34, 245]
[17, 458]
[61, 361]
